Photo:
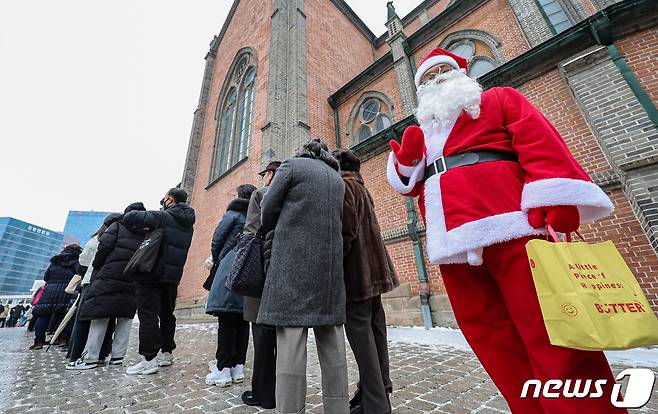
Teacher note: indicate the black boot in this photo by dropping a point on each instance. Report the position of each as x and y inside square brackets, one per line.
[37, 345]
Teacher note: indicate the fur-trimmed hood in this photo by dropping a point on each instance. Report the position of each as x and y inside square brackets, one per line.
[239, 204]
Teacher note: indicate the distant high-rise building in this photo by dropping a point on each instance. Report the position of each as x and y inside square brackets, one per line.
[25, 252]
[82, 224]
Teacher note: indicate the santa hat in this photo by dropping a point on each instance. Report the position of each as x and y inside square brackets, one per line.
[437, 57]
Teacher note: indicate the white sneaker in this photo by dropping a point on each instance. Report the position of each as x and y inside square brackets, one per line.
[116, 361]
[237, 374]
[212, 364]
[214, 374]
[221, 378]
[165, 359]
[144, 367]
[80, 364]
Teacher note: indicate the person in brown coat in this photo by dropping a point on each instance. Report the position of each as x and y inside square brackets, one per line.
[369, 273]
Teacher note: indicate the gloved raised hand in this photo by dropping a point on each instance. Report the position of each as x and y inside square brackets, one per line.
[564, 219]
[410, 152]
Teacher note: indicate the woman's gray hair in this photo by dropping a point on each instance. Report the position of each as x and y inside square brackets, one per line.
[318, 150]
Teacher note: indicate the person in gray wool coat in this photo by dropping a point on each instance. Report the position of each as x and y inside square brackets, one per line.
[304, 285]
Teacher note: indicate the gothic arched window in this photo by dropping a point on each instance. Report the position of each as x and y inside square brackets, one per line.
[235, 113]
[480, 49]
[372, 114]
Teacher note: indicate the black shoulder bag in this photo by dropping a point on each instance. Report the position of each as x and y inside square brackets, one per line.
[146, 255]
[247, 277]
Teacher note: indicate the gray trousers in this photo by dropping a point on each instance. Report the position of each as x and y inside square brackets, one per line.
[291, 369]
[97, 333]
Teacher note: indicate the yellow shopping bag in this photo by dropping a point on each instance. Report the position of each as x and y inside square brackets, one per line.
[589, 298]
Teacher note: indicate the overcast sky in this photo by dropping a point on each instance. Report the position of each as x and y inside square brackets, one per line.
[96, 99]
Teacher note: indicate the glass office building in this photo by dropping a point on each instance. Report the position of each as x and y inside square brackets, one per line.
[82, 224]
[25, 252]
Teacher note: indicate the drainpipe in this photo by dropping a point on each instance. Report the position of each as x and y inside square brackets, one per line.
[413, 234]
[602, 31]
[420, 263]
[334, 106]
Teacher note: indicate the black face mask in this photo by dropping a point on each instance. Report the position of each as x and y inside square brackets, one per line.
[162, 203]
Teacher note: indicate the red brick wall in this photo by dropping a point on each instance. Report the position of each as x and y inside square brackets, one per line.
[494, 17]
[211, 204]
[329, 66]
[589, 7]
[552, 96]
[641, 53]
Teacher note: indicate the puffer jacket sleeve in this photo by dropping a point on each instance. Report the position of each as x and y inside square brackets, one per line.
[274, 197]
[141, 220]
[105, 245]
[223, 229]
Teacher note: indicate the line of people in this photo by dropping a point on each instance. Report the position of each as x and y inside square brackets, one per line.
[106, 299]
[14, 316]
[326, 269]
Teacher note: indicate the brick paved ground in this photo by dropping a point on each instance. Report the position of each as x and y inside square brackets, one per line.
[427, 378]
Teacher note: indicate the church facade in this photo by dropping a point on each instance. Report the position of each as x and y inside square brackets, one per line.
[282, 71]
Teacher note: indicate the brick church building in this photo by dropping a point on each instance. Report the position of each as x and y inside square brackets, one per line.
[281, 71]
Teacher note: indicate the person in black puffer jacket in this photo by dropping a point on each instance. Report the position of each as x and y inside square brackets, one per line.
[54, 300]
[111, 294]
[232, 329]
[156, 290]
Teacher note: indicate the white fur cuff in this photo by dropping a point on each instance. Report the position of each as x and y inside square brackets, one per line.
[406, 170]
[591, 201]
[394, 179]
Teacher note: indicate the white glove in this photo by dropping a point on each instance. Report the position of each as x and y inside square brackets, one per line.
[208, 263]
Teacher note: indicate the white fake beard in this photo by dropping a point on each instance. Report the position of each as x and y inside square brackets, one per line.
[442, 99]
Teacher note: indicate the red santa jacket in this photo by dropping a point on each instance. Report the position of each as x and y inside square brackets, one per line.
[468, 208]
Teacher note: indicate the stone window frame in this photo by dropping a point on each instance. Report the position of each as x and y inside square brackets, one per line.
[568, 9]
[244, 62]
[473, 34]
[355, 115]
[475, 58]
[463, 42]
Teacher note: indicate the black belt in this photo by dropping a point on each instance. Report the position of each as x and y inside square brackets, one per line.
[444, 164]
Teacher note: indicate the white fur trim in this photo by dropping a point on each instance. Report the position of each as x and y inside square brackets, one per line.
[394, 179]
[591, 201]
[465, 243]
[433, 61]
[406, 170]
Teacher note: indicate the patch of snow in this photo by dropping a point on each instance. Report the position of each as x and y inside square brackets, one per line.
[453, 338]
[439, 336]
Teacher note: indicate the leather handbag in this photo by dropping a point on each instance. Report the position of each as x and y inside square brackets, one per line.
[247, 277]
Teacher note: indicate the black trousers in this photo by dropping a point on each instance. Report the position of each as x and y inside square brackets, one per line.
[2, 322]
[157, 323]
[263, 379]
[32, 324]
[47, 323]
[232, 340]
[366, 333]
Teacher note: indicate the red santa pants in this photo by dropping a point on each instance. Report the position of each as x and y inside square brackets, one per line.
[497, 309]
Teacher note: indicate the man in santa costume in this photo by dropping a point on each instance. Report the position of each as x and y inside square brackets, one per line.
[491, 172]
